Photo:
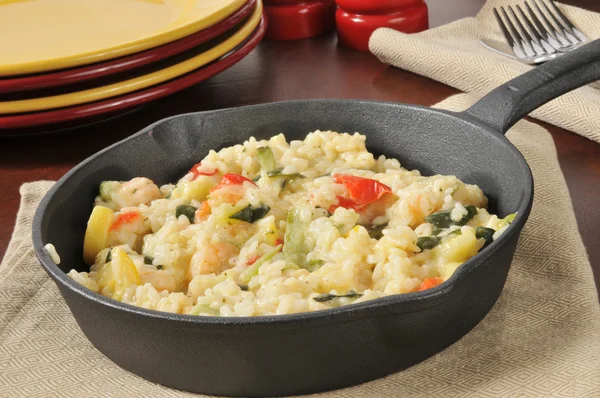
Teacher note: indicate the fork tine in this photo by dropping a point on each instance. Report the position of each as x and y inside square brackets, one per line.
[567, 22]
[540, 40]
[550, 38]
[511, 28]
[512, 39]
[533, 29]
[529, 52]
[509, 38]
[533, 42]
[551, 28]
[557, 22]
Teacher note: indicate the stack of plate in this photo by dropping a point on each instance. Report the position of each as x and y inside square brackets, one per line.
[69, 60]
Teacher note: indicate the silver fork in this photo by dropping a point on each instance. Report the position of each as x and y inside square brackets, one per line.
[539, 36]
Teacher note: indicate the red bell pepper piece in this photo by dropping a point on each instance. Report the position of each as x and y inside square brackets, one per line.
[205, 171]
[253, 260]
[429, 283]
[362, 191]
[232, 179]
[345, 203]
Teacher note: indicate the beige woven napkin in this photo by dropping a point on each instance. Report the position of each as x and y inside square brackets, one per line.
[452, 54]
[541, 339]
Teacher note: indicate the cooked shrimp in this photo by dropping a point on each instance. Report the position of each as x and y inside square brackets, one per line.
[230, 194]
[128, 228]
[161, 280]
[202, 213]
[212, 258]
[138, 191]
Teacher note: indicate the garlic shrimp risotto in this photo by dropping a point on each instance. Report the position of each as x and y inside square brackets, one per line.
[271, 227]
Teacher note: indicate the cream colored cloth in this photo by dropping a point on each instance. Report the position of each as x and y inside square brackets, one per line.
[541, 339]
[453, 55]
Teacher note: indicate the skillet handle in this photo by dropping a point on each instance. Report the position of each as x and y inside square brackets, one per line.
[507, 104]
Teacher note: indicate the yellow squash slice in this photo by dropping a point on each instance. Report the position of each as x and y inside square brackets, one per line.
[104, 277]
[198, 189]
[123, 271]
[459, 249]
[96, 234]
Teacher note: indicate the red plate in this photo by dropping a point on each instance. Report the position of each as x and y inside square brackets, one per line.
[138, 98]
[279, 2]
[95, 71]
[355, 30]
[299, 19]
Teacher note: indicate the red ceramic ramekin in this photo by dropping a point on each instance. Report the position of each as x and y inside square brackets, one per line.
[376, 6]
[357, 19]
[299, 19]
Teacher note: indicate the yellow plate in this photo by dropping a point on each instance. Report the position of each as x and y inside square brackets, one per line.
[43, 35]
[138, 83]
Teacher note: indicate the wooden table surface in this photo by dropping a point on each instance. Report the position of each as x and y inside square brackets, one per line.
[314, 68]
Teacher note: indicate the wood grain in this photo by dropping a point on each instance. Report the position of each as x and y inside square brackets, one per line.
[275, 71]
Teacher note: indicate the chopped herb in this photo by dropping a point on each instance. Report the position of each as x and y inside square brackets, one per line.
[456, 231]
[438, 231]
[148, 260]
[187, 211]
[442, 219]
[471, 212]
[485, 233]
[108, 256]
[285, 178]
[244, 215]
[321, 298]
[244, 287]
[314, 265]
[255, 179]
[159, 267]
[168, 196]
[376, 232]
[251, 214]
[266, 158]
[428, 242]
[260, 212]
[279, 173]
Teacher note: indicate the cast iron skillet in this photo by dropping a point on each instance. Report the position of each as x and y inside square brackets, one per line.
[310, 352]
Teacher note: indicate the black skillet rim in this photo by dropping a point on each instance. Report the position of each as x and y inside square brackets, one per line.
[367, 309]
